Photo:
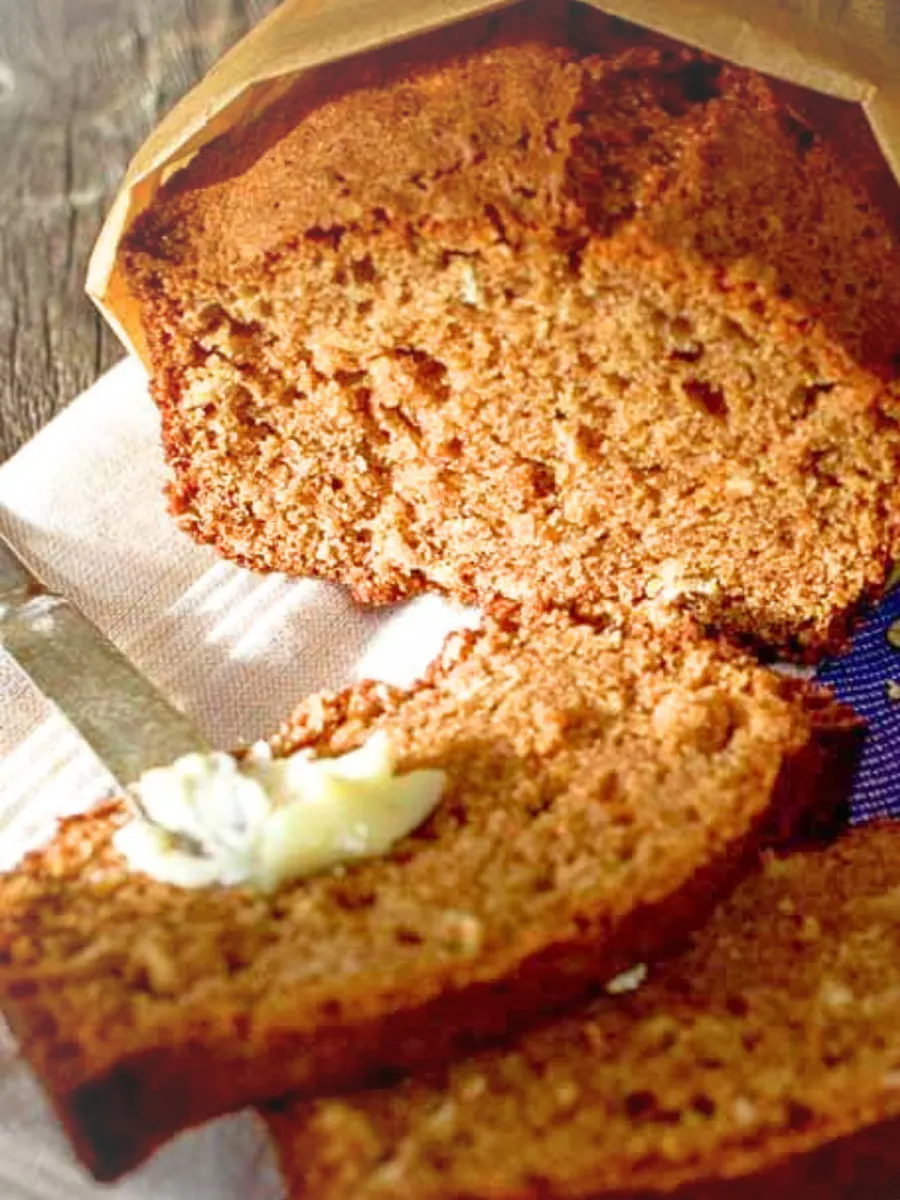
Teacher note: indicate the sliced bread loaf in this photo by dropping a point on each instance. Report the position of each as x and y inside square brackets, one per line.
[541, 306]
[763, 1061]
[604, 785]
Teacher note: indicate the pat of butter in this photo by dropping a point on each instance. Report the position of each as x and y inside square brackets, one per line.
[209, 819]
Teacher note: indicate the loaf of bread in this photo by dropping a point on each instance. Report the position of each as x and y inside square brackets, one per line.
[761, 1062]
[604, 786]
[542, 306]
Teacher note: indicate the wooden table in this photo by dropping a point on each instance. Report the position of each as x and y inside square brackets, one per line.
[81, 84]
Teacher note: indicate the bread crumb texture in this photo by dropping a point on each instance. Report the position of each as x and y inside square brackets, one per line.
[542, 306]
[773, 1033]
[604, 785]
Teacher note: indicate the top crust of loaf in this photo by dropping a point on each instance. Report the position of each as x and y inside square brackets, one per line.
[494, 109]
[773, 1036]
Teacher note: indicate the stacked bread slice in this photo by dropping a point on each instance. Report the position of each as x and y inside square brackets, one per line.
[604, 786]
[763, 1060]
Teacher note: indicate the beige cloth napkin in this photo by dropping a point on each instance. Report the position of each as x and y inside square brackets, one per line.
[82, 504]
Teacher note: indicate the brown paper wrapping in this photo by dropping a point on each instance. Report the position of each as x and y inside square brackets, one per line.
[846, 48]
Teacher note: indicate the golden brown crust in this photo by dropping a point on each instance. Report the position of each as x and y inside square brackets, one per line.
[605, 786]
[763, 1060]
[600, 316]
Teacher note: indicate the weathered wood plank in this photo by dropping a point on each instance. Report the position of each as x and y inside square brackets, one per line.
[81, 84]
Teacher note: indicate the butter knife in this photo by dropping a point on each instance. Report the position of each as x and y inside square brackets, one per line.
[126, 721]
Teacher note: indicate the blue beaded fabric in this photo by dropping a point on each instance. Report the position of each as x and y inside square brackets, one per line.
[863, 679]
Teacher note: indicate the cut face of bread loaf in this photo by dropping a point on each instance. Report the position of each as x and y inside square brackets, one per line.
[540, 306]
[723, 1075]
[604, 785]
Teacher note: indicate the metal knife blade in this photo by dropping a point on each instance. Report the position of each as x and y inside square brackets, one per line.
[126, 721]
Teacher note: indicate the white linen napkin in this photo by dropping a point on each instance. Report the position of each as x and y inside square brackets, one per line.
[82, 504]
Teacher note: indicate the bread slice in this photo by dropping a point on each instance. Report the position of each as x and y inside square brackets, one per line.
[604, 786]
[765, 1060]
[541, 306]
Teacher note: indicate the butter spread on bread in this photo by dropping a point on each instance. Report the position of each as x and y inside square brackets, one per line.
[213, 819]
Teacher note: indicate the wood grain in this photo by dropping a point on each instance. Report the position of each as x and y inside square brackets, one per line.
[81, 84]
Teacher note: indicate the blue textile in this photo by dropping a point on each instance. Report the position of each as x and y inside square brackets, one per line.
[860, 678]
